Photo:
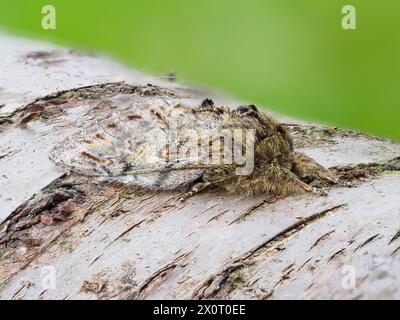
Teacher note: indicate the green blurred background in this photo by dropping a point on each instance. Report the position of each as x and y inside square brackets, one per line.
[291, 56]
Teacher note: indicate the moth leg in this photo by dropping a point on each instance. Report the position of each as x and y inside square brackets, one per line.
[306, 168]
[198, 187]
[280, 181]
[311, 189]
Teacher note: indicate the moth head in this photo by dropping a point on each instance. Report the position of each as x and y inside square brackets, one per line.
[247, 111]
[249, 114]
[265, 127]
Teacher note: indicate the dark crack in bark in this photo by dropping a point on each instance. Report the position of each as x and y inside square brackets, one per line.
[211, 287]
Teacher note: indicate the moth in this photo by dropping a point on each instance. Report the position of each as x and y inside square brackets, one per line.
[162, 144]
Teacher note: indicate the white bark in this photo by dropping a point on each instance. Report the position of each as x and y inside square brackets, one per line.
[106, 242]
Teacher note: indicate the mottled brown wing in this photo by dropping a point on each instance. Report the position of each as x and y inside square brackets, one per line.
[151, 136]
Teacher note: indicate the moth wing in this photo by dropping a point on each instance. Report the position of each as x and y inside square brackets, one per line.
[130, 142]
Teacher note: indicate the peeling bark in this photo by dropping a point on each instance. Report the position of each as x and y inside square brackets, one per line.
[109, 241]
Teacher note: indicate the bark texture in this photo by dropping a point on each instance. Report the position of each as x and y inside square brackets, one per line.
[107, 241]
